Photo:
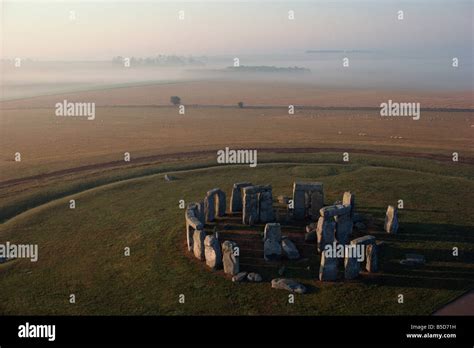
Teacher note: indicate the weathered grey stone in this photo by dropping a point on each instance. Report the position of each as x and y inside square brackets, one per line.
[198, 244]
[236, 198]
[257, 204]
[349, 199]
[391, 220]
[371, 258]
[271, 250]
[193, 222]
[351, 265]
[214, 204]
[289, 249]
[288, 285]
[230, 258]
[334, 210]
[308, 199]
[343, 228]
[212, 251]
[266, 213]
[365, 240]
[239, 277]
[254, 277]
[272, 239]
[325, 231]
[327, 268]
[272, 231]
[168, 177]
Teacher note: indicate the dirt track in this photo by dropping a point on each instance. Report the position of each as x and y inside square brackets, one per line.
[156, 158]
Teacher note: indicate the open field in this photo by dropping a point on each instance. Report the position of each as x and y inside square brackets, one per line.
[81, 250]
[30, 127]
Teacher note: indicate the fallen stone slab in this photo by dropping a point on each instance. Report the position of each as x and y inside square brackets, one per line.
[239, 277]
[254, 277]
[334, 210]
[288, 285]
[413, 260]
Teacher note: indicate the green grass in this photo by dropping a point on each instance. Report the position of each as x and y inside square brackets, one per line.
[81, 250]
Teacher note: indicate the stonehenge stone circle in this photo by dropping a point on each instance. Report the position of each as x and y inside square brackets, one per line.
[333, 227]
[215, 198]
[308, 199]
[198, 244]
[391, 220]
[230, 259]
[236, 198]
[212, 252]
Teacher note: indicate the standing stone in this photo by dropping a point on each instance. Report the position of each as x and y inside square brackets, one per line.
[365, 240]
[343, 228]
[194, 221]
[212, 251]
[210, 208]
[236, 198]
[229, 258]
[371, 258]
[272, 231]
[308, 199]
[325, 232]
[327, 268]
[272, 239]
[351, 264]
[221, 203]
[289, 249]
[266, 213]
[198, 244]
[250, 205]
[391, 220]
[349, 199]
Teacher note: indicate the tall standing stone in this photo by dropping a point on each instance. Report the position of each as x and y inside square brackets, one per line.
[327, 268]
[236, 198]
[325, 232]
[212, 251]
[351, 263]
[349, 199]
[194, 221]
[230, 258]
[343, 228]
[266, 213]
[371, 258]
[272, 241]
[198, 244]
[308, 199]
[391, 220]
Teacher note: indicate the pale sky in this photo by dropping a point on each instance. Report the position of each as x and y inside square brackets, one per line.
[102, 29]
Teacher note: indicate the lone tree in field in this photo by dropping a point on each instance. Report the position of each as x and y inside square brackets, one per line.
[240, 104]
[175, 100]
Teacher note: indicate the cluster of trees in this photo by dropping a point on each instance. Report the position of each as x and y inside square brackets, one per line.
[265, 68]
[162, 60]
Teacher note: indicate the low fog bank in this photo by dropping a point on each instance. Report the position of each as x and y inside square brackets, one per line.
[364, 69]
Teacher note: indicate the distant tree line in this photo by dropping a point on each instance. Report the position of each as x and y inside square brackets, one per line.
[162, 60]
